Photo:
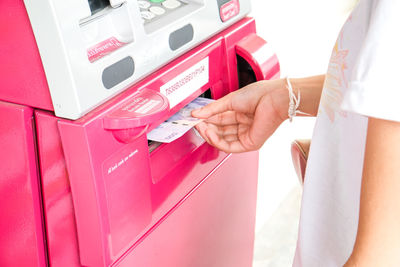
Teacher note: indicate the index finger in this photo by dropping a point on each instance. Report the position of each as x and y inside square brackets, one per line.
[219, 106]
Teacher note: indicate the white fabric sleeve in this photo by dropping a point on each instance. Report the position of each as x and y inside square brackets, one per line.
[374, 86]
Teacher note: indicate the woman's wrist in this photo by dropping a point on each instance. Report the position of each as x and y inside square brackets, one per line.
[278, 92]
[309, 88]
[309, 91]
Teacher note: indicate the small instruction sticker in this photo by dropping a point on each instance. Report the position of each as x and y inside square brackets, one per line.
[120, 162]
[103, 48]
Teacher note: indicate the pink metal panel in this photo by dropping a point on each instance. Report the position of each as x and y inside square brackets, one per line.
[22, 76]
[21, 224]
[114, 197]
[186, 168]
[111, 190]
[213, 226]
[62, 243]
[177, 167]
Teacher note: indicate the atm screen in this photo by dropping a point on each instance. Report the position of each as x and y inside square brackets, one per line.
[98, 5]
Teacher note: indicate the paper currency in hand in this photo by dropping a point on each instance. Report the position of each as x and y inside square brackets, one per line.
[179, 123]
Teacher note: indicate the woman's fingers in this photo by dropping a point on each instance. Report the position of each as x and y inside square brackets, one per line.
[223, 144]
[220, 106]
[233, 129]
[201, 128]
[231, 117]
[226, 138]
[231, 138]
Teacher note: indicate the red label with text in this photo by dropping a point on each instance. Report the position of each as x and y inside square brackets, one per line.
[229, 10]
[103, 48]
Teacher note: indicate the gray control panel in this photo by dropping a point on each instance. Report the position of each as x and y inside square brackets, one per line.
[94, 49]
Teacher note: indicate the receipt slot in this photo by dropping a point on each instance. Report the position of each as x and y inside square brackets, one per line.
[95, 192]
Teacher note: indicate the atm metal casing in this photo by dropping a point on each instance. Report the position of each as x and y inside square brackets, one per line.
[88, 192]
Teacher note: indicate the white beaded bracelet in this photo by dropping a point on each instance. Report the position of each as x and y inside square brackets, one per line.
[294, 102]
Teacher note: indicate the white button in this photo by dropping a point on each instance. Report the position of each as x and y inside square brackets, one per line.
[157, 10]
[171, 4]
[147, 15]
[116, 3]
[143, 4]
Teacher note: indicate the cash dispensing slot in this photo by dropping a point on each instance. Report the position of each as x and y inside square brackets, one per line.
[153, 145]
[167, 158]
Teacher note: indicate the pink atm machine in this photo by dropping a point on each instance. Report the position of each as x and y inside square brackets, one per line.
[82, 83]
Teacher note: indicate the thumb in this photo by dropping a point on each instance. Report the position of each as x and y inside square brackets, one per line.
[219, 106]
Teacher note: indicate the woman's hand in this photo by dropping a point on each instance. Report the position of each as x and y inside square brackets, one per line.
[243, 120]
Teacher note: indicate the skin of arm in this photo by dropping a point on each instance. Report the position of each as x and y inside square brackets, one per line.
[243, 120]
[378, 236]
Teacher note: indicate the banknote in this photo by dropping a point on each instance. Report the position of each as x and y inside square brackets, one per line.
[179, 123]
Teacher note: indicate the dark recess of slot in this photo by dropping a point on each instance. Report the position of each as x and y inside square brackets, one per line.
[153, 145]
[245, 72]
[206, 94]
[98, 5]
